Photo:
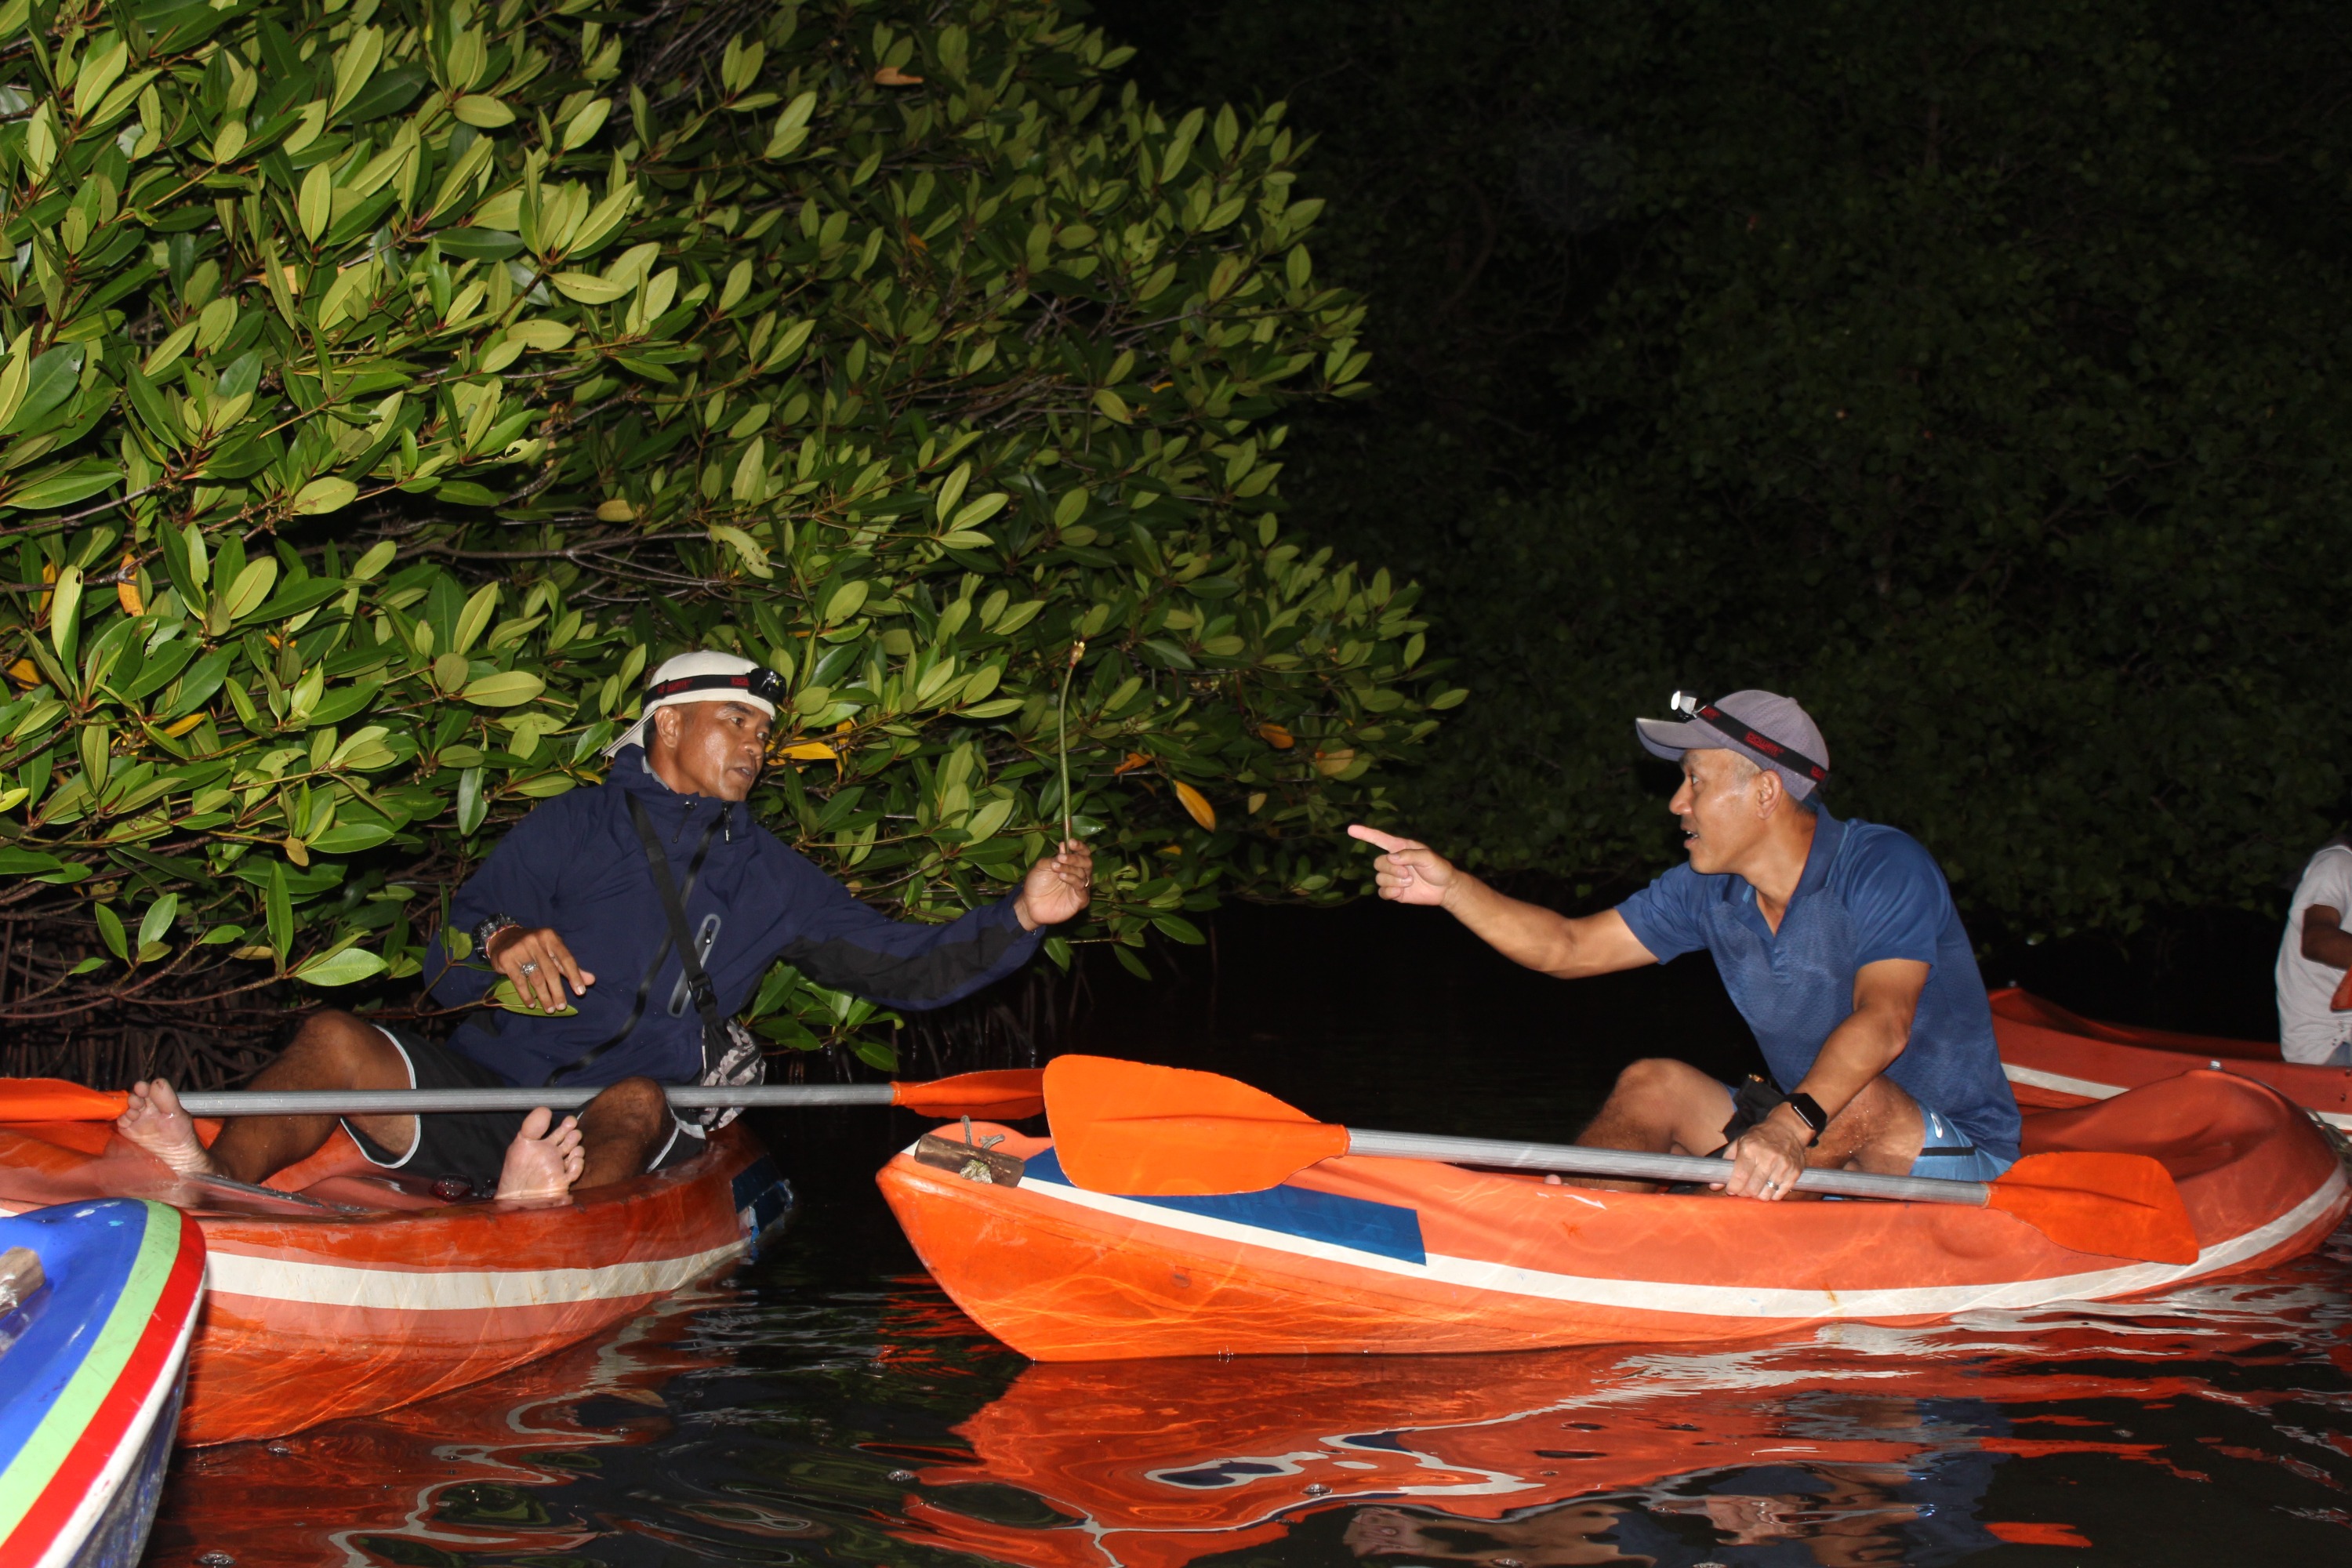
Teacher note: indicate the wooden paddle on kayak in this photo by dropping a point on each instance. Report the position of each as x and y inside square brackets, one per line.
[1155, 1132]
[1002, 1096]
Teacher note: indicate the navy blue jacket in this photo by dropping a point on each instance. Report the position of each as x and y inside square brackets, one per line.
[577, 865]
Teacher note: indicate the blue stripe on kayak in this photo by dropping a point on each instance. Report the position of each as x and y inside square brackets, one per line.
[1358, 1222]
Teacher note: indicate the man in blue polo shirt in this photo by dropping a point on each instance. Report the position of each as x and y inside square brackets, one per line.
[1838, 941]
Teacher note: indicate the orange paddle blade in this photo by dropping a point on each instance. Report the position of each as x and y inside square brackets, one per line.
[1003, 1096]
[55, 1100]
[1155, 1132]
[2112, 1205]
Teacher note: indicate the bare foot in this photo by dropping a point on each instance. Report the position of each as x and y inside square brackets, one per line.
[156, 1123]
[540, 1165]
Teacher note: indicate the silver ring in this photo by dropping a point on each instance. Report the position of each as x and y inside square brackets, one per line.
[530, 966]
[1772, 1186]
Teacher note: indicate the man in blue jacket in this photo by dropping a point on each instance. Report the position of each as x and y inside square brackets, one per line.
[1838, 941]
[570, 895]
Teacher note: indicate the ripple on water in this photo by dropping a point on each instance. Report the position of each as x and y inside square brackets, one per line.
[828, 1408]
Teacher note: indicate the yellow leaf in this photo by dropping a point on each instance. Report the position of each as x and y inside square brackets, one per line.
[298, 852]
[891, 76]
[181, 727]
[1134, 759]
[615, 511]
[1331, 764]
[23, 673]
[1196, 806]
[810, 751]
[126, 592]
[1280, 739]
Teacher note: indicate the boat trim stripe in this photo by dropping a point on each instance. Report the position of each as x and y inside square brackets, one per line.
[2036, 1077]
[1742, 1301]
[230, 1273]
[66, 1451]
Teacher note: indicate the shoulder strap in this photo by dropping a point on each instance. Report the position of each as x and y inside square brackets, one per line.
[697, 979]
[673, 903]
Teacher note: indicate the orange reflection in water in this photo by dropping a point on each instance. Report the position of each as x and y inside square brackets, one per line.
[1855, 1444]
[448, 1479]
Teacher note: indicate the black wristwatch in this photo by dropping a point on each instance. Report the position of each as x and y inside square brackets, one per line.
[487, 928]
[1808, 1111]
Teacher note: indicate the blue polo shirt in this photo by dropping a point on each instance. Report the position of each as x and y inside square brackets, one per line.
[1868, 892]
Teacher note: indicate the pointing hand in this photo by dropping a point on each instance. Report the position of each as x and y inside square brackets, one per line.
[1411, 872]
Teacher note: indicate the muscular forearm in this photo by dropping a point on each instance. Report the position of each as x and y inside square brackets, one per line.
[1857, 1050]
[1525, 933]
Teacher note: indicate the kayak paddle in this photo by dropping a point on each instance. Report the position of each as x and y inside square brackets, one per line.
[1001, 1096]
[1156, 1132]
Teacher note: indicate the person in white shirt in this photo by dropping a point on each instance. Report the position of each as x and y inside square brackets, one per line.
[2313, 958]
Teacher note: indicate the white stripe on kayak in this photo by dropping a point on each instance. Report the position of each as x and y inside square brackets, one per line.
[1726, 1301]
[450, 1290]
[2035, 1078]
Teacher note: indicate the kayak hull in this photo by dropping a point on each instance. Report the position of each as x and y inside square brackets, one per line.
[1395, 1257]
[2056, 1059]
[96, 1362]
[315, 1313]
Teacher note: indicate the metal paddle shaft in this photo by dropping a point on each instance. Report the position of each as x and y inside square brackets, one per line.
[1640, 1167]
[395, 1101]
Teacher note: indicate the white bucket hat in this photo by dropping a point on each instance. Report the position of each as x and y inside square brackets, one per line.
[704, 676]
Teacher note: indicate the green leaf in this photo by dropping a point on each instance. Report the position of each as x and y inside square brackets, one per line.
[504, 996]
[109, 930]
[15, 862]
[508, 688]
[54, 376]
[875, 1054]
[351, 838]
[345, 966]
[280, 911]
[158, 923]
[322, 496]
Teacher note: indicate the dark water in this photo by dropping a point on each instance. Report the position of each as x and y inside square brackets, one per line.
[828, 1405]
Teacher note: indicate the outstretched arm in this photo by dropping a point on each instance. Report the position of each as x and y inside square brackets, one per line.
[1529, 934]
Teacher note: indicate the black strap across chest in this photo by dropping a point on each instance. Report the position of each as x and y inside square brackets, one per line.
[673, 900]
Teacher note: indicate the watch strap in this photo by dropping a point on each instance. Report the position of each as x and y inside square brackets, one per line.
[1808, 1111]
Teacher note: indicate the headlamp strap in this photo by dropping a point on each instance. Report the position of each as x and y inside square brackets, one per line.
[1755, 740]
[764, 684]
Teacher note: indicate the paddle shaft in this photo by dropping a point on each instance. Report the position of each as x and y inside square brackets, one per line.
[395, 1101]
[1636, 1166]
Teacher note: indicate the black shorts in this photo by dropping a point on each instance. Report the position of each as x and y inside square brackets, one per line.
[470, 1146]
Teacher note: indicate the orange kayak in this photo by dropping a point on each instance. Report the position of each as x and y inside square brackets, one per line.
[2055, 1057]
[356, 1292]
[1358, 1255]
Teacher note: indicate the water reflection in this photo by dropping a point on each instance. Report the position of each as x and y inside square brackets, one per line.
[784, 1420]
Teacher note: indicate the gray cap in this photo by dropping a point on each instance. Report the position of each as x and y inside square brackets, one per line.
[1765, 727]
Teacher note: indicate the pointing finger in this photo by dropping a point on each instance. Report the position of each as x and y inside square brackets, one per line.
[1373, 836]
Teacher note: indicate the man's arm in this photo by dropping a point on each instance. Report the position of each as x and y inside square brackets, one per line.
[1886, 996]
[519, 881]
[1528, 934]
[844, 944]
[2325, 940]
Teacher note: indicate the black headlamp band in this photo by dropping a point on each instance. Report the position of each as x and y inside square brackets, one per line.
[1789, 757]
[763, 684]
